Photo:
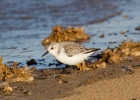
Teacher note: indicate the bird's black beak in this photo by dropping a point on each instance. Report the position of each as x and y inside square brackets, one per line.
[45, 53]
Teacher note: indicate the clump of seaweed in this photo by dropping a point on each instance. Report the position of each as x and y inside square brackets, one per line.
[15, 74]
[125, 49]
[130, 48]
[60, 34]
[88, 65]
[111, 56]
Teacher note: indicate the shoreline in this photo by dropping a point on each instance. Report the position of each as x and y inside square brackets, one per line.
[67, 84]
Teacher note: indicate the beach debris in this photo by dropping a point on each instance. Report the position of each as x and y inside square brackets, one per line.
[118, 54]
[60, 34]
[4, 86]
[82, 66]
[123, 32]
[97, 65]
[138, 28]
[102, 35]
[7, 89]
[62, 81]
[111, 56]
[125, 16]
[15, 73]
[135, 52]
[88, 65]
[31, 62]
[130, 48]
[27, 92]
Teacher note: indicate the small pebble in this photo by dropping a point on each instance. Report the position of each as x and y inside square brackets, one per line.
[8, 89]
[27, 92]
[125, 16]
[62, 81]
[123, 32]
[102, 36]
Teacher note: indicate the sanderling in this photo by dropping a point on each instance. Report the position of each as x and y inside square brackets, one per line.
[69, 53]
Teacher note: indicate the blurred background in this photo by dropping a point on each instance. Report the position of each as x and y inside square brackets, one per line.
[25, 23]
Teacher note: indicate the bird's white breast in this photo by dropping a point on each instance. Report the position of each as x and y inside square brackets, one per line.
[74, 60]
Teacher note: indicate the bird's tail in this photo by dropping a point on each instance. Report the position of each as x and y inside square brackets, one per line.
[92, 50]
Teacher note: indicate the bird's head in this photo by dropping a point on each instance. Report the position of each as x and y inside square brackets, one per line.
[52, 49]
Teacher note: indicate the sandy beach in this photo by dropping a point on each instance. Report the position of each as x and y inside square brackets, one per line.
[123, 88]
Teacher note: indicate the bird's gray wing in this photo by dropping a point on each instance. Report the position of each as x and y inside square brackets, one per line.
[73, 49]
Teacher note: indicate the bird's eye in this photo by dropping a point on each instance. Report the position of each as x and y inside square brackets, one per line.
[51, 48]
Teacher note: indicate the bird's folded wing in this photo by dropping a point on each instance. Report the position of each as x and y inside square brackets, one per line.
[73, 49]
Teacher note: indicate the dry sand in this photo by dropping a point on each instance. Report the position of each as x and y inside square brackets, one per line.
[123, 88]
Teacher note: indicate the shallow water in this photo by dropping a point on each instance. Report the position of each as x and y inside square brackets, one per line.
[24, 24]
